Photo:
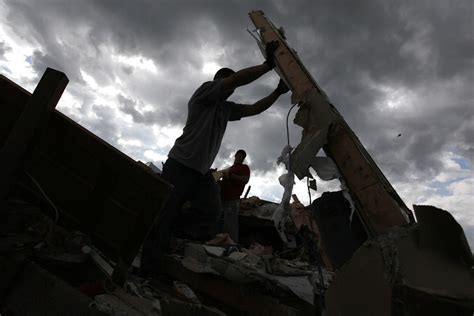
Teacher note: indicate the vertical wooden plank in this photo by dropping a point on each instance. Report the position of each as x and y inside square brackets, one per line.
[29, 125]
[295, 73]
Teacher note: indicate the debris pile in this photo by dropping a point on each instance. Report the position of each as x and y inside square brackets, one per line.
[74, 212]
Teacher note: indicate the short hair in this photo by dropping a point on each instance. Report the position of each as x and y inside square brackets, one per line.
[241, 151]
[223, 73]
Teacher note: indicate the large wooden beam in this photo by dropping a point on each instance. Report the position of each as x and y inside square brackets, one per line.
[375, 200]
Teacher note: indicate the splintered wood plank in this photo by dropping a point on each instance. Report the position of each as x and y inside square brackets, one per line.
[298, 79]
[366, 187]
[376, 201]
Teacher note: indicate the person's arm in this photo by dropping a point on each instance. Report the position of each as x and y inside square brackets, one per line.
[244, 179]
[263, 104]
[239, 173]
[244, 76]
[247, 75]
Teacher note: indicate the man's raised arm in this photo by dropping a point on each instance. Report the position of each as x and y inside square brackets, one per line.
[263, 104]
[247, 75]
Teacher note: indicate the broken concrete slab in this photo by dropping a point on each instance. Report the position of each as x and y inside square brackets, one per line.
[453, 241]
[405, 268]
[215, 251]
[119, 303]
[254, 295]
[299, 285]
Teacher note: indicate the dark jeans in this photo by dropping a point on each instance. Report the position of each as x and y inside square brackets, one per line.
[230, 211]
[199, 221]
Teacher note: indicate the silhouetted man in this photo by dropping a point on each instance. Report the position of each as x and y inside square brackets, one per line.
[193, 153]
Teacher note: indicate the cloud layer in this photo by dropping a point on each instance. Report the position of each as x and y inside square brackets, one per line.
[400, 72]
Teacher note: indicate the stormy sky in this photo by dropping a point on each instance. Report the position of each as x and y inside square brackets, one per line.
[400, 72]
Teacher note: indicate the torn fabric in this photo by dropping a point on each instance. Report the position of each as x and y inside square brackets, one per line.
[325, 168]
[315, 115]
[281, 213]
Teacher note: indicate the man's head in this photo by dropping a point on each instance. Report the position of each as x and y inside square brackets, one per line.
[240, 156]
[224, 73]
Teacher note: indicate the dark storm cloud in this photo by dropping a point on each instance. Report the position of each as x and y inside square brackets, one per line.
[41, 61]
[353, 50]
[164, 115]
[168, 31]
[437, 121]
[411, 46]
[128, 106]
[388, 39]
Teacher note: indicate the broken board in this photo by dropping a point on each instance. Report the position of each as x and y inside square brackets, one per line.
[375, 200]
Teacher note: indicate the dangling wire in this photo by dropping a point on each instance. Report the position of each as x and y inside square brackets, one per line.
[287, 128]
[45, 196]
[288, 135]
[56, 212]
[309, 191]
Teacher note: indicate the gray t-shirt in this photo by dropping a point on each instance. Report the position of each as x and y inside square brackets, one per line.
[207, 120]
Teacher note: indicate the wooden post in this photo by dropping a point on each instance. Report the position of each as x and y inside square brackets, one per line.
[377, 203]
[29, 125]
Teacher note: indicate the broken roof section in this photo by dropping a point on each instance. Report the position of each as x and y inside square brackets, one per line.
[95, 187]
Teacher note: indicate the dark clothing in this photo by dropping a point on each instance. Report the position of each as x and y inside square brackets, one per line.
[187, 168]
[230, 220]
[206, 123]
[232, 189]
[197, 222]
